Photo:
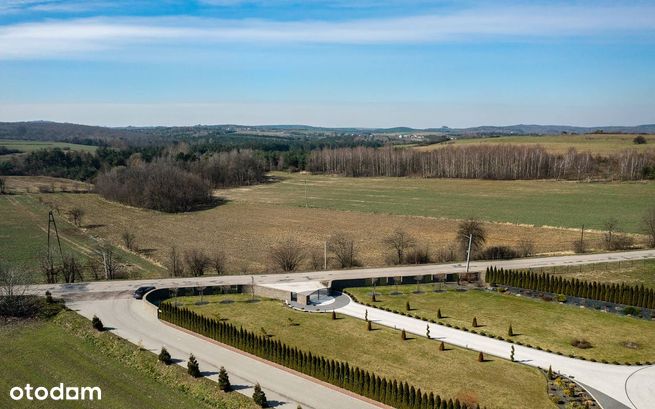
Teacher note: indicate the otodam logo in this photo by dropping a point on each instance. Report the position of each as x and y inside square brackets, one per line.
[59, 392]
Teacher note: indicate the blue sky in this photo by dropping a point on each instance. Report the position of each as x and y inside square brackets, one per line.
[328, 62]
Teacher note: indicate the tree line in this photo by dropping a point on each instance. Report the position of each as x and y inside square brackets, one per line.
[504, 162]
[637, 296]
[395, 393]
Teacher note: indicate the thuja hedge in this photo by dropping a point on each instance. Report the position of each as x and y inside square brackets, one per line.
[637, 296]
[395, 393]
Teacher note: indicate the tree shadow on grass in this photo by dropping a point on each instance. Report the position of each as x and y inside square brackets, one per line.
[240, 387]
[208, 373]
[274, 403]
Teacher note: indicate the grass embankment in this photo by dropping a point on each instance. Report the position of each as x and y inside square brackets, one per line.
[548, 325]
[601, 144]
[67, 350]
[24, 235]
[454, 373]
[36, 184]
[533, 202]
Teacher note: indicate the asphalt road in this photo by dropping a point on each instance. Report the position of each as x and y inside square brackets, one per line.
[69, 291]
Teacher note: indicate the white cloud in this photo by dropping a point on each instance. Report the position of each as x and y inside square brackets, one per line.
[65, 38]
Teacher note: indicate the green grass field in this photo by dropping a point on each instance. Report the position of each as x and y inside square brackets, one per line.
[603, 144]
[29, 146]
[540, 203]
[23, 233]
[67, 350]
[497, 383]
[631, 272]
[539, 323]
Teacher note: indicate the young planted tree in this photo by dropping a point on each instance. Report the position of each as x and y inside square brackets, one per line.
[399, 242]
[164, 356]
[439, 316]
[610, 226]
[76, 214]
[408, 307]
[649, 226]
[224, 380]
[288, 254]
[111, 262]
[97, 324]
[334, 315]
[369, 325]
[480, 357]
[475, 322]
[196, 262]
[192, 367]
[442, 346]
[403, 335]
[510, 331]
[550, 372]
[259, 396]
[71, 269]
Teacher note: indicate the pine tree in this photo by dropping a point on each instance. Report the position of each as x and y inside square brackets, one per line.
[475, 322]
[442, 346]
[97, 324]
[369, 325]
[403, 335]
[164, 356]
[510, 331]
[407, 306]
[439, 316]
[334, 315]
[480, 357]
[192, 366]
[259, 396]
[550, 372]
[224, 380]
[373, 299]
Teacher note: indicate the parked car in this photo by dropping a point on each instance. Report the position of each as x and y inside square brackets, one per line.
[141, 291]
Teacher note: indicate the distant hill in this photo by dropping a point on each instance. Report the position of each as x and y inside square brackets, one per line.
[98, 135]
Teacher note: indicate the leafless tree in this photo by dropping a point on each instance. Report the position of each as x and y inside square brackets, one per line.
[474, 229]
[48, 268]
[3, 185]
[525, 248]
[197, 262]
[111, 262]
[94, 267]
[610, 226]
[13, 299]
[174, 263]
[344, 249]
[12, 283]
[316, 258]
[288, 254]
[71, 269]
[447, 254]
[649, 226]
[218, 262]
[76, 214]
[399, 241]
[129, 240]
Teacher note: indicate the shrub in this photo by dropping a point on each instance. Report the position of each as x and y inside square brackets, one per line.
[635, 312]
[224, 380]
[561, 298]
[192, 367]
[259, 396]
[48, 297]
[164, 356]
[639, 140]
[97, 324]
[499, 253]
[581, 343]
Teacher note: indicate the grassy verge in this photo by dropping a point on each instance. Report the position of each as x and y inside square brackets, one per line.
[548, 325]
[23, 231]
[497, 383]
[29, 146]
[66, 349]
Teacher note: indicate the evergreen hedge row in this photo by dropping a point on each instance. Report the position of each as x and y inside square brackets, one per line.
[394, 393]
[637, 296]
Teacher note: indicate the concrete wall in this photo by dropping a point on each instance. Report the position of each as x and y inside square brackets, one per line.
[267, 292]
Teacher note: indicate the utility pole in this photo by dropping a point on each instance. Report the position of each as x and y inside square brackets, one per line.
[468, 253]
[582, 238]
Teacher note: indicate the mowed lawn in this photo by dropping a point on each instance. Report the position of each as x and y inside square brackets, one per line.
[533, 202]
[635, 272]
[67, 351]
[453, 373]
[29, 146]
[24, 238]
[602, 144]
[246, 231]
[549, 325]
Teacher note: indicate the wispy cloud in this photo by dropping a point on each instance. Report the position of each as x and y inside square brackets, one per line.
[82, 36]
